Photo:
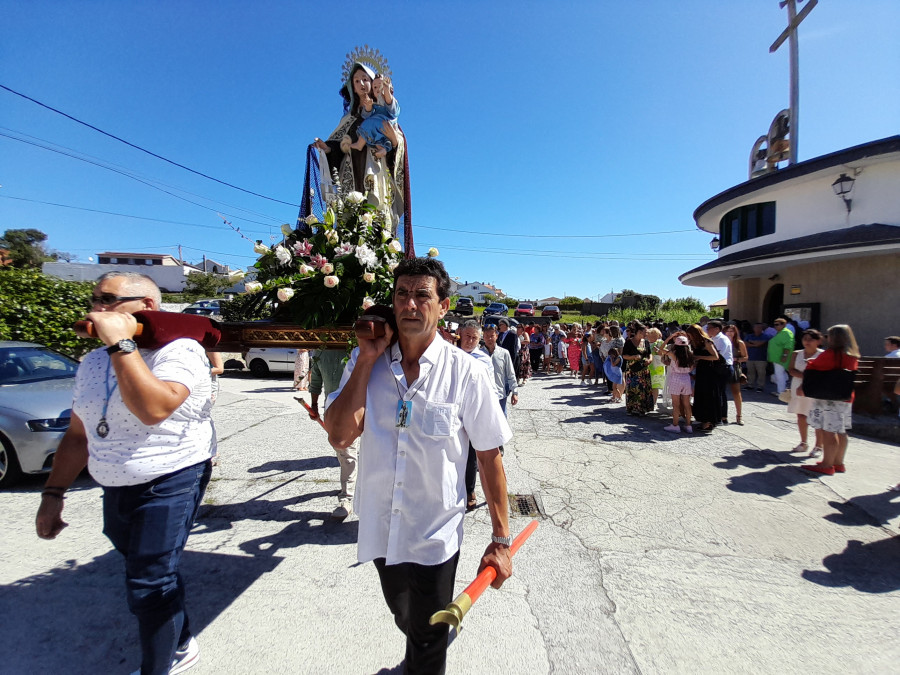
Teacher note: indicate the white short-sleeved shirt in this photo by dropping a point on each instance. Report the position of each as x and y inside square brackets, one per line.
[134, 453]
[723, 346]
[411, 495]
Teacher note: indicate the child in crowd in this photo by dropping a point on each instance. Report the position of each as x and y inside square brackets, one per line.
[801, 405]
[587, 360]
[679, 382]
[613, 369]
[573, 343]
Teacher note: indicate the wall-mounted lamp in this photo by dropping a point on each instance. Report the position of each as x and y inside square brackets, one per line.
[715, 244]
[842, 188]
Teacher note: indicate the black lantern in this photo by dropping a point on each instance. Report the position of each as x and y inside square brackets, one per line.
[842, 187]
[715, 244]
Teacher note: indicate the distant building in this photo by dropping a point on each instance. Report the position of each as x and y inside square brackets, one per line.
[478, 290]
[790, 244]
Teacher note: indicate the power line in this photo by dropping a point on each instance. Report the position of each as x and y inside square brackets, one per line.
[133, 177]
[553, 236]
[569, 256]
[137, 147]
[126, 215]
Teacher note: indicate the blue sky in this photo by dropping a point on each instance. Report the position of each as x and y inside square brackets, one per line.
[544, 131]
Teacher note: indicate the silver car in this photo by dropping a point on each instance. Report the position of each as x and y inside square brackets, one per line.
[35, 407]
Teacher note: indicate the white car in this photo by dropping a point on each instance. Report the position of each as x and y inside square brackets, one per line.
[264, 360]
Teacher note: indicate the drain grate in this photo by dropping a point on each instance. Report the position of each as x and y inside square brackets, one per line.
[526, 505]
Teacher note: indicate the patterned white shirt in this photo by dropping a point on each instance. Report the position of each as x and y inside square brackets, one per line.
[134, 453]
[411, 495]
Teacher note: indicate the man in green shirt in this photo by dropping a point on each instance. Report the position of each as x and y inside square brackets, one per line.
[779, 352]
[325, 371]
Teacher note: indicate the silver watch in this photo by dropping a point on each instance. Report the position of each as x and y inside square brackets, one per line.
[125, 346]
[506, 541]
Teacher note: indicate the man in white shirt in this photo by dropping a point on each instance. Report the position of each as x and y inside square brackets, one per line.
[723, 346]
[892, 346]
[141, 423]
[417, 403]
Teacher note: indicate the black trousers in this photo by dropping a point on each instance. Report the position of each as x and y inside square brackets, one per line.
[413, 593]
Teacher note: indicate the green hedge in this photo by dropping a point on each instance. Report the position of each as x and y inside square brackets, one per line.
[39, 308]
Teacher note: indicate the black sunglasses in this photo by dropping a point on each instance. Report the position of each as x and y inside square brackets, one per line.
[110, 299]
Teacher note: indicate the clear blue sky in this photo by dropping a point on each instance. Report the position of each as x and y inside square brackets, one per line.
[523, 118]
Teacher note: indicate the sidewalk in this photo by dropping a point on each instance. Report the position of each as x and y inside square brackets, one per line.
[658, 554]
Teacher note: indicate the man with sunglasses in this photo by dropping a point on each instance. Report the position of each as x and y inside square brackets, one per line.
[141, 423]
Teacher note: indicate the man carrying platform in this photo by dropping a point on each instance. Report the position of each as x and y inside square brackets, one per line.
[417, 403]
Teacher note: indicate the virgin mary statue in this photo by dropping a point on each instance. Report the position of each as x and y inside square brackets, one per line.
[372, 160]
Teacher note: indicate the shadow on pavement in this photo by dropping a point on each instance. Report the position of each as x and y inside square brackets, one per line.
[878, 509]
[304, 464]
[868, 568]
[755, 458]
[74, 618]
[777, 482]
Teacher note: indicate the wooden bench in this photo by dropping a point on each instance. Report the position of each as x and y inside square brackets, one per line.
[875, 381]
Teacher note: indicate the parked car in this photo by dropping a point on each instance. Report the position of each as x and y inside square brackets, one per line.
[35, 407]
[496, 309]
[465, 305]
[524, 309]
[552, 311]
[264, 360]
[210, 307]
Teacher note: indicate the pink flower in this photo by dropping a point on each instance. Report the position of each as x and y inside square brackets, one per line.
[327, 268]
[319, 261]
[331, 281]
[303, 247]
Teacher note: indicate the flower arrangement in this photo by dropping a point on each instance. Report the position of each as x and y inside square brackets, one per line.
[330, 277]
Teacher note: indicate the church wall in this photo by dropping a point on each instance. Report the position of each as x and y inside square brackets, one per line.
[861, 292]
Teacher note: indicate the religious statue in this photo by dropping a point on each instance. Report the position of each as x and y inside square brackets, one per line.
[367, 151]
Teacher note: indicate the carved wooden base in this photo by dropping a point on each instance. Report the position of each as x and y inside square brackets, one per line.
[240, 336]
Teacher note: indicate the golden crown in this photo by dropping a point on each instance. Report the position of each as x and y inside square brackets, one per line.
[372, 58]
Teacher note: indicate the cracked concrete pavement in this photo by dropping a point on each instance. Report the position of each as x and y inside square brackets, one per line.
[659, 553]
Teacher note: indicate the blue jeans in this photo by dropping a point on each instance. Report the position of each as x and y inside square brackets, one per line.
[149, 525]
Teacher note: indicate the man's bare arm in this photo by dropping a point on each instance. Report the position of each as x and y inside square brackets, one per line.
[493, 482]
[69, 461]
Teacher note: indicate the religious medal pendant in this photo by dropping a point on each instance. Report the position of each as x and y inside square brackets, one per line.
[102, 428]
[404, 410]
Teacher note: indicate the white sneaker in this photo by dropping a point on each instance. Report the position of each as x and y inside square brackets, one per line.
[801, 447]
[185, 658]
[672, 428]
[343, 510]
[815, 452]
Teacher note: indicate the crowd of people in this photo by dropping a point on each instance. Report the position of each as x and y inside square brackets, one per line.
[696, 372]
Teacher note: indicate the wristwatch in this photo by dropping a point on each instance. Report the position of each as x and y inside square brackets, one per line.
[506, 541]
[125, 346]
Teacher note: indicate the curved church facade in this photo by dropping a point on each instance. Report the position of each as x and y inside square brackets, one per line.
[818, 240]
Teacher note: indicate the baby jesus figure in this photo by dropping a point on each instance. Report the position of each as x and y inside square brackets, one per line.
[376, 129]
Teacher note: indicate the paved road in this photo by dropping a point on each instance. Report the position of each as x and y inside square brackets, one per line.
[659, 554]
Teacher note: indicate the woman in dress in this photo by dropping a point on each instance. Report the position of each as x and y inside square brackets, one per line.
[833, 417]
[707, 406]
[657, 369]
[638, 396]
[678, 349]
[739, 354]
[800, 405]
[523, 365]
[574, 349]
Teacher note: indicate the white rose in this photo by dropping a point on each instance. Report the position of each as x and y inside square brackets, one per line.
[327, 268]
[367, 302]
[395, 246]
[285, 294]
[385, 235]
[355, 197]
[260, 248]
[311, 219]
[287, 230]
[253, 287]
[369, 277]
[306, 269]
[432, 252]
[236, 275]
[331, 282]
[332, 237]
[366, 218]
[393, 265]
[283, 255]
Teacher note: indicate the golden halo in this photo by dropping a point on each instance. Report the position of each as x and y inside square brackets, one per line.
[372, 58]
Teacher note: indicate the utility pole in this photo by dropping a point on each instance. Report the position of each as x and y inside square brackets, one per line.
[180, 261]
[790, 33]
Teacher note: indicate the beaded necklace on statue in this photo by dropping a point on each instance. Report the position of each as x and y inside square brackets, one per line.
[102, 425]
